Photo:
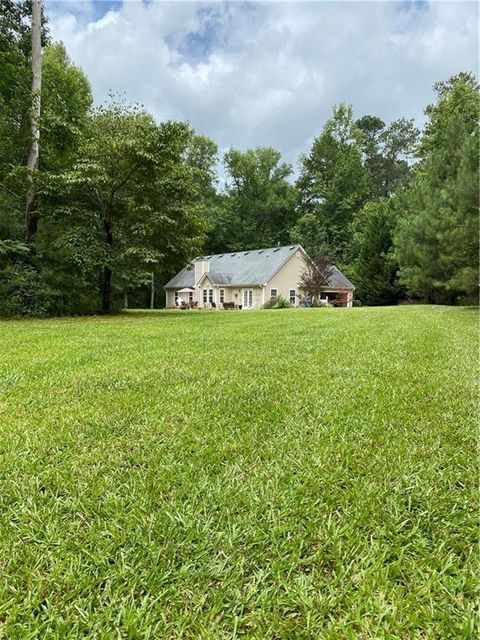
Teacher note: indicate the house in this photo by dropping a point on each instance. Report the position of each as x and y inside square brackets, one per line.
[248, 279]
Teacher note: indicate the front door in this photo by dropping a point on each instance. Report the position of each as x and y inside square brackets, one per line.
[247, 298]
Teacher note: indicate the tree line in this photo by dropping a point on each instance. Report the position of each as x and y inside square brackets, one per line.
[113, 196]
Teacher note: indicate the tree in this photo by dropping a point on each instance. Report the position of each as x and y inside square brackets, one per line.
[399, 142]
[310, 233]
[387, 152]
[315, 276]
[32, 159]
[66, 104]
[456, 111]
[258, 206]
[334, 184]
[375, 269]
[202, 155]
[133, 193]
[436, 240]
[15, 82]
[372, 128]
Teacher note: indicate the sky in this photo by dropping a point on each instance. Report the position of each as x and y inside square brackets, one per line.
[268, 73]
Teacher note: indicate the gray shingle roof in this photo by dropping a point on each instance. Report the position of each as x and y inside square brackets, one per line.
[237, 268]
[253, 267]
[337, 279]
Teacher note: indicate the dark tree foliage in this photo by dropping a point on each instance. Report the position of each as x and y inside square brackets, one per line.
[258, 207]
[387, 152]
[436, 236]
[15, 80]
[334, 184]
[374, 271]
[134, 194]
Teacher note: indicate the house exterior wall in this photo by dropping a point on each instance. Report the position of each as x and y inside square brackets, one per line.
[287, 277]
[228, 294]
[235, 295]
[170, 298]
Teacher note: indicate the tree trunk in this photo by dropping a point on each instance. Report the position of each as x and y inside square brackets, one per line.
[152, 293]
[32, 160]
[125, 298]
[107, 271]
[106, 290]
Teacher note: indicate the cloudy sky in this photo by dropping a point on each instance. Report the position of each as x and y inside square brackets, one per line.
[250, 74]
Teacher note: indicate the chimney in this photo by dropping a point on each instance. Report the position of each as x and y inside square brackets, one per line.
[201, 266]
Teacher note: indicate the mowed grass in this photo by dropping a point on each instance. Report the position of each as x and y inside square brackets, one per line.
[285, 474]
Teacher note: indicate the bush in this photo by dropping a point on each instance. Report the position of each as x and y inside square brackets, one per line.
[277, 303]
[282, 303]
[24, 293]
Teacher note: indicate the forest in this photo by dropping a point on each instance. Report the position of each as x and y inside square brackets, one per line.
[115, 201]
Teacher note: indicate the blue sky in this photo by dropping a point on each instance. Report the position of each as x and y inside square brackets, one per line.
[268, 73]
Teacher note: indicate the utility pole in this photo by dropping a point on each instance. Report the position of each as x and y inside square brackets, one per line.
[32, 160]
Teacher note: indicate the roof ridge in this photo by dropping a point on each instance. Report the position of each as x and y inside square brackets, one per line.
[226, 253]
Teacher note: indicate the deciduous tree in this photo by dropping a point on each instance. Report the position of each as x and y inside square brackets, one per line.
[334, 184]
[315, 276]
[259, 206]
[134, 193]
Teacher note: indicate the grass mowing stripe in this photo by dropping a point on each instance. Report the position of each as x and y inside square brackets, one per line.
[274, 474]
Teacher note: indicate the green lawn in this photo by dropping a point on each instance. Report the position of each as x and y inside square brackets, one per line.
[284, 474]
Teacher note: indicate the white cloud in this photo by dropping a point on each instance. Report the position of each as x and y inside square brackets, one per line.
[268, 74]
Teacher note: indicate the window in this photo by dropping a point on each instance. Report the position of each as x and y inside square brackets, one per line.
[222, 296]
[207, 296]
[176, 296]
[273, 293]
[190, 296]
[292, 296]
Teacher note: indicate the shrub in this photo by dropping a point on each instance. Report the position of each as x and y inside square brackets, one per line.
[277, 303]
[24, 293]
[269, 304]
[282, 303]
